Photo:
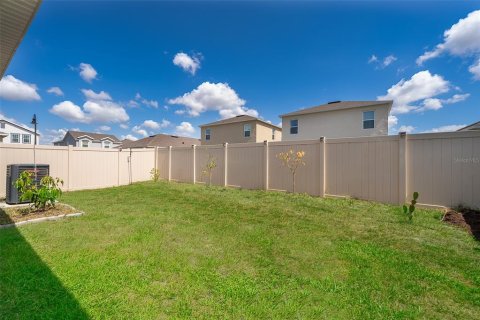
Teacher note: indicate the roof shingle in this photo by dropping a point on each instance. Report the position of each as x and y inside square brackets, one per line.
[339, 105]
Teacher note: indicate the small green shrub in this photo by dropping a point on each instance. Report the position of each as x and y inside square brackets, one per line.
[408, 210]
[155, 174]
[41, 197]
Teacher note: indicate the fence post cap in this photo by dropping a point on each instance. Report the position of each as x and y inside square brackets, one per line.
[265, 141]
[322, 139]
[402, 134]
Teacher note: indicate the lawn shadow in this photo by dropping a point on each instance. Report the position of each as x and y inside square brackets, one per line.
[28, 288]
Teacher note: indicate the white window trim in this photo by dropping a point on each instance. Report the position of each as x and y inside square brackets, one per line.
[208, 132]
[249, 130]
[81, 143]
[105, 142]
[19, 137]
[363, 120]
[29, 138]
[297, 126]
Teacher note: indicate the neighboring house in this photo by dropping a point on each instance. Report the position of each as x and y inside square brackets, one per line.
[13, 133]
[473, 127]
[337, 119]
[88, 140]
[159, 140]
[240, 129]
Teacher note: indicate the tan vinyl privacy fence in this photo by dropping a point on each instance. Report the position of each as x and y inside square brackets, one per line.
[443, 167]
[82, 168]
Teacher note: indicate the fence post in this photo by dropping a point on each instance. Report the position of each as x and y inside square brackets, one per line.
[225, 161]
[265, 162]
[169, 163]
[402, 167]
[69, 167]
[321, 164]
[118, 166]
[194, 166]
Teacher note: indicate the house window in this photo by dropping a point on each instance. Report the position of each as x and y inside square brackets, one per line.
[273, 134]
[15, 137]
[26, 138]
[369, 120]
[2, 125]
[247, 130]
[294, 126]
[85, 143]
[207, 134]
[107, 144]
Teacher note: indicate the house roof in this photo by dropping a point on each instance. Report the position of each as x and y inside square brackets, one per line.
[159, 140]
[15, 17]
[94, 136]
[237, 119]
[472, 127]
[339, 105]
[19, 126]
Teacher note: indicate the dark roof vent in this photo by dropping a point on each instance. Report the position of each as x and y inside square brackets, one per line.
[174, 136]
[239, 116]
[332, 102]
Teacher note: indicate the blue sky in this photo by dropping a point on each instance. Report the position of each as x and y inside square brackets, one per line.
[168, 67]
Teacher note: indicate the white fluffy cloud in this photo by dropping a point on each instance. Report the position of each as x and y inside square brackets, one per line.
[421, 86]
[447, 128]
[407, 129]
[92, 111]
[123, 126]
[462, 39]
[140, 131]
[87, 72]
[185, 129]
[186, 62]
[382, 63]
[92, 95]
[150, 124]
[214, 97]
[56, 91]
[475, 70]
[129, 137]
[388, 60]
[146, 102]
[12, 88]
[435, 103]
[104, 128]
[392, 121]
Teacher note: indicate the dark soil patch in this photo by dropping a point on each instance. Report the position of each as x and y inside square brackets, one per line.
[17, 214]
[468, 219]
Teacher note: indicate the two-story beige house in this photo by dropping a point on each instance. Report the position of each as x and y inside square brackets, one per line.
[239, 129]
[338, 119]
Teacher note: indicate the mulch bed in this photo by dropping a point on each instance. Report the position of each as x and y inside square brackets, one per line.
[17, 214]
[468, 219]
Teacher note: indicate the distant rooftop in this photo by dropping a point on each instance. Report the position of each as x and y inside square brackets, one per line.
[160, 140]
[237, 119]
[93, 135]
[339, 105]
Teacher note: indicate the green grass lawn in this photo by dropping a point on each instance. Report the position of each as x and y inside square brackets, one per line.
[155, 251]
